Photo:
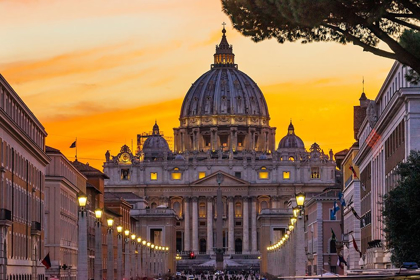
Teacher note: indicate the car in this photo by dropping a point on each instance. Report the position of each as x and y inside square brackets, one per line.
[178, 274]
[190, 277]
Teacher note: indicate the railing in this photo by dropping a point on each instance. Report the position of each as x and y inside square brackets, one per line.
[5, 214]
[155, 211]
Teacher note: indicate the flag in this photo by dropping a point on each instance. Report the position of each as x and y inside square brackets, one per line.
[46, 261]
[355, 213]
[332, 235]
[341, 261]
[341, 199]
[73, 145]
[354, 172]
[355, 246]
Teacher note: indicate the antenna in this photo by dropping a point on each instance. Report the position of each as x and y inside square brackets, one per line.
[363, 84]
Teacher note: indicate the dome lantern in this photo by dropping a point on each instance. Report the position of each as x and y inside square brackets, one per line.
[224, 56]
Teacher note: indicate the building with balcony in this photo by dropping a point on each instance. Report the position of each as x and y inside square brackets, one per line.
[22, 188]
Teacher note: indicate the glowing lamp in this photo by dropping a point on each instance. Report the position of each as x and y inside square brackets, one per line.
[126, 232]
[98, 213]
[291, 227]
[139, 240]
[293, 220]
[300, 199]
[148, 244]
[153, 246]
[82, 201]
[119, 229]
[143, 242]
[110, 222]
[133, 236]
[296, 211]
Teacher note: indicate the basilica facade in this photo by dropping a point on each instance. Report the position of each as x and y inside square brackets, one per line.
[224, 128]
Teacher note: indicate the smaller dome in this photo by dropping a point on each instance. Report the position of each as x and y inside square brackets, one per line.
[179, 157]
[155, 145]
[291, 140]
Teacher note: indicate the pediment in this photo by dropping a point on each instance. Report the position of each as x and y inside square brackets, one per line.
[228, 180]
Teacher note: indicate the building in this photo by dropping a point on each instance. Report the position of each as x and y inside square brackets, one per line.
[22, 187]
[389, 131]
[63, 184]
[224, 128]
[95, 200]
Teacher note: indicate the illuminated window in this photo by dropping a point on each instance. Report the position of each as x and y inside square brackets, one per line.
[315, 173]
[291, 158]
[201, 175]
[263, 174]
[202, 210]
[153, 176]
[238, 210]
[125, 174]
[176, 176]
[286, 174]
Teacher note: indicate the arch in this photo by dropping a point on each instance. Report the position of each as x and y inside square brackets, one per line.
[238, 245]
[203, 245]
[291, 158]
[153, 205]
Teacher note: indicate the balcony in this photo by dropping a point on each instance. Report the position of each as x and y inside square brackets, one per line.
[5, 217]
[35, 228]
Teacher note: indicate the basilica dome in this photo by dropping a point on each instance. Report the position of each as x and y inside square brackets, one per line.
[224, 90]
[155, 145]
[291, 140]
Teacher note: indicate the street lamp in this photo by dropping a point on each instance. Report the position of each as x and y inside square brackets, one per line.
[98, 245]
[110, 246]
[119, 253]
[300, 199]
[82, 253]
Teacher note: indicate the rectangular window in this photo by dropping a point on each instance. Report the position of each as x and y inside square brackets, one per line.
[263, 175]
[201, 175]
[315, 173]
[176, 176]
[153, 176]
[125, 174]
[238, 223]
[238, 175]
[286, 175]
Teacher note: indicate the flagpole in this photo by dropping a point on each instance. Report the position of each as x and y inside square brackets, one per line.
[76, 148]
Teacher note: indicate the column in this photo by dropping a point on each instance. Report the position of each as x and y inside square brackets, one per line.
[139, 249]
[98, 251]
[119, 257]
[187, 229]
[82, 254]
[209, 225]
[110, 261]
[254, 225]
[231, 226]
[195, 225]
[133, 259]
[245, 224]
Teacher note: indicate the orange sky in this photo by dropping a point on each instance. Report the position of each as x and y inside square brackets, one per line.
[103, 71]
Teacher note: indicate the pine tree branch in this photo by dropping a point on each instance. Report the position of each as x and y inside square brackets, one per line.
[412, 7]
[356, 41]
[403, 23]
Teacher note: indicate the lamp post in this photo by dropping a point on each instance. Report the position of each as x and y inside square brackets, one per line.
[82, 253]
[127, 254]
[133, 256]
[144, 259]
[110, 246]
[138, 256]
[148, 259]
[98, 245]
[119, 252]
[299, 239]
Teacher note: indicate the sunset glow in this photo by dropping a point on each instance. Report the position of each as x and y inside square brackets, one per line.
[104, 71]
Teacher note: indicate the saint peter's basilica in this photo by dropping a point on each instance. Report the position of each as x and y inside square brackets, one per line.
[224, 128]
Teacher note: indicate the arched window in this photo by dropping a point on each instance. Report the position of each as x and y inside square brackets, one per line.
[291, 159]
[238, 210]
[153, 205]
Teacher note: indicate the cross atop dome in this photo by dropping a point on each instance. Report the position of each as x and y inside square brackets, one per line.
[224, 56]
